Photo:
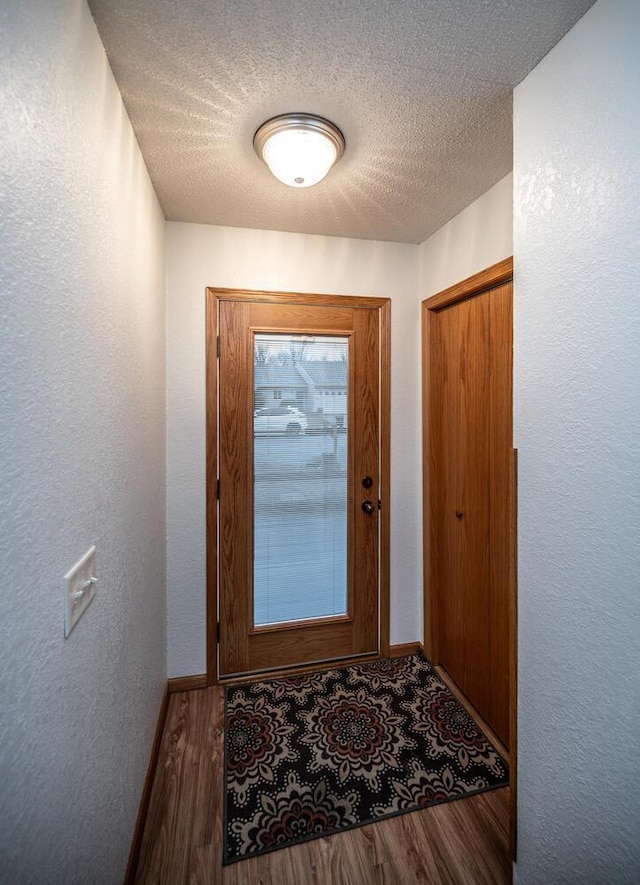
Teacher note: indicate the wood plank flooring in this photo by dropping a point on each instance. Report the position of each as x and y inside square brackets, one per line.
[458, 843]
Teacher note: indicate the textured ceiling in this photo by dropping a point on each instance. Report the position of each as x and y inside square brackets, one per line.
[420, 88]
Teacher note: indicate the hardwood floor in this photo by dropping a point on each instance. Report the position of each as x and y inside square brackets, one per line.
[459, 843]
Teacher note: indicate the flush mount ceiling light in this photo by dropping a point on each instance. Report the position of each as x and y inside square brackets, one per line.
[299, 148]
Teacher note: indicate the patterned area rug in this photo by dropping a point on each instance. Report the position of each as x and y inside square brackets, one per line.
[311, 755]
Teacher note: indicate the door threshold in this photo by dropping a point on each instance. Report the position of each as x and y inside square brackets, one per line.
[297, 669]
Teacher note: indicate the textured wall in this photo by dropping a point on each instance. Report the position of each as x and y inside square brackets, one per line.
[82, 452]
[478, 237]
[577, 376]
[200, 256]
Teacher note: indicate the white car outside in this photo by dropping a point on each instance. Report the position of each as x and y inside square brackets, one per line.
[279, 419]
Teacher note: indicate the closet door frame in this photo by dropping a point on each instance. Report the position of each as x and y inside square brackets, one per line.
[491, 277]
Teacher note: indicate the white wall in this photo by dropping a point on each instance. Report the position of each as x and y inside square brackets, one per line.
[200, 256]
[577, 397]
[82, 452]
[478, 237]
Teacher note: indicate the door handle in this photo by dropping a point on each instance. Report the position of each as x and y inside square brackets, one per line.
[368, 506]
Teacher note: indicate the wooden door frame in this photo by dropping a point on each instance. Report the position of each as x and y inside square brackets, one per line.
[213, 297]
[491, 277]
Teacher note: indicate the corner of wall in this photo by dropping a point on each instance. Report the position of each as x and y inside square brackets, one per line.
[479, 236]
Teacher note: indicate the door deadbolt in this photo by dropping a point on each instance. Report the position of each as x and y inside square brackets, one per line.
[367, 482]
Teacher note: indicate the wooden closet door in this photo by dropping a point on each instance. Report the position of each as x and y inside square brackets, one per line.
[470, 513]
[460, 428]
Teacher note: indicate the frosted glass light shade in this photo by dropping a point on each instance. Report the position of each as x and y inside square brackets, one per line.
[299, 158]
[299, 149]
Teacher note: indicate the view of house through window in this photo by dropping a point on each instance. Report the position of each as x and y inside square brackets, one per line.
[300, 477]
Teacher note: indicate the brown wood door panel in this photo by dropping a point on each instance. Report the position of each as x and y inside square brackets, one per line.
[298, 317]
[236, 471]
[468, 375]
[459, 385]
[365, 548]
[244, 647]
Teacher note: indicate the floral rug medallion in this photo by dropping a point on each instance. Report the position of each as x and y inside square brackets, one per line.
[311, 755]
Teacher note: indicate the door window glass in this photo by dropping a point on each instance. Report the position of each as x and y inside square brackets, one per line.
[300, 478]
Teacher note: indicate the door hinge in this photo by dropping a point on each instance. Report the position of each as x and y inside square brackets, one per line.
[217, 490]
[217, 345]
[379, 504]
[218, 632]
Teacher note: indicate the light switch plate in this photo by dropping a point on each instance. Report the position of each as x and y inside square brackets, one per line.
[79, 589]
